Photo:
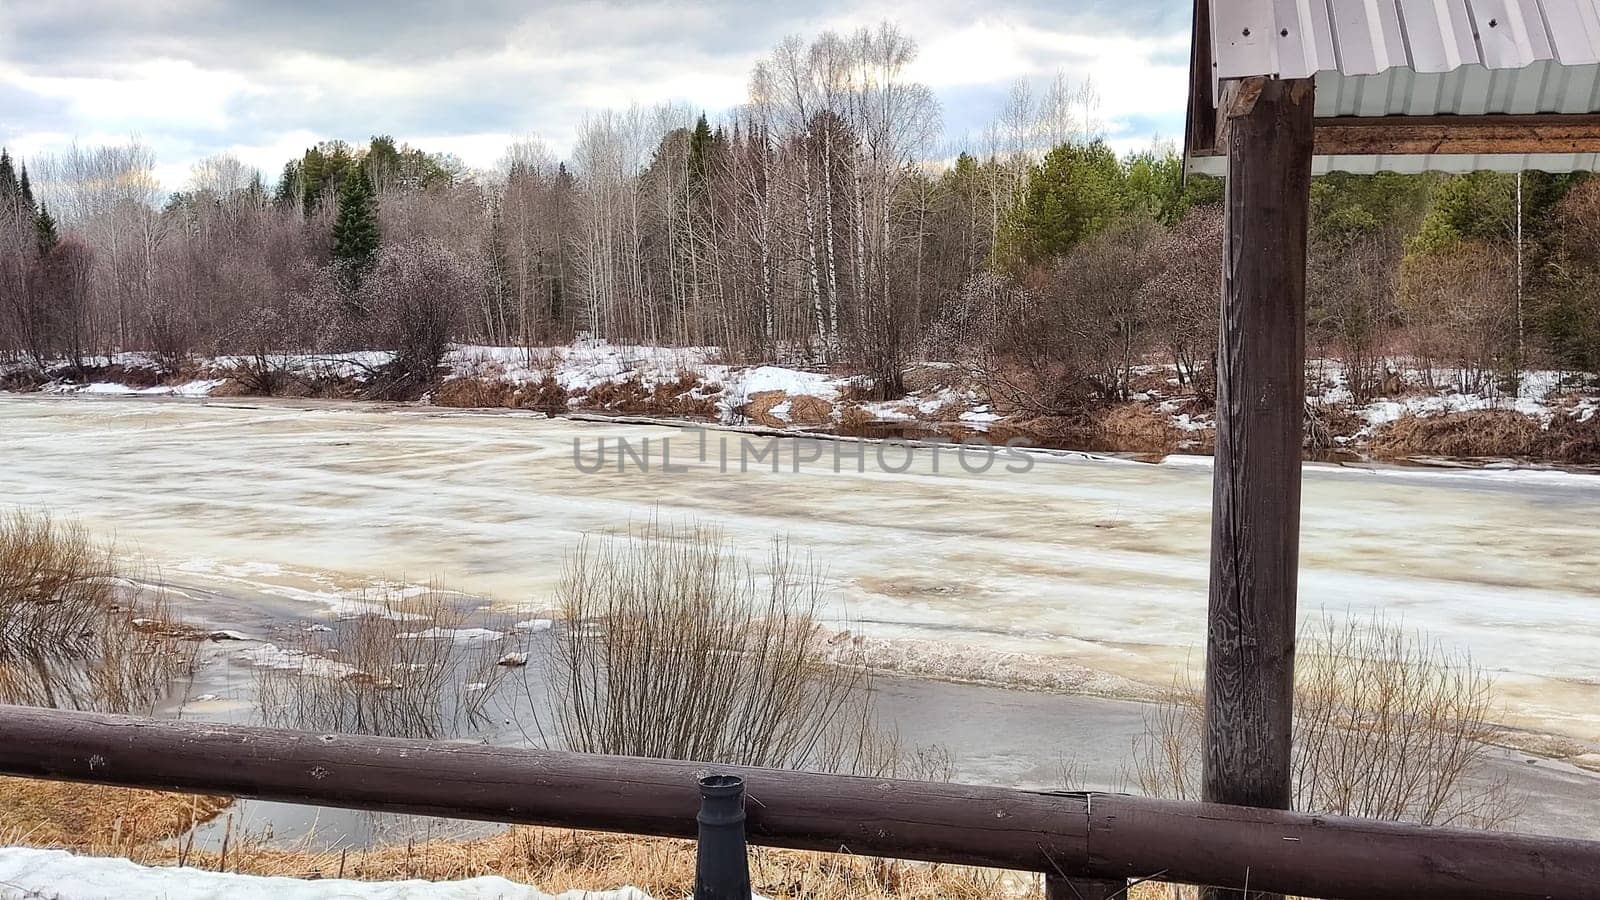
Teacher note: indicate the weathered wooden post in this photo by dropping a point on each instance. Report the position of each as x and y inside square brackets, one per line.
[1266, 124]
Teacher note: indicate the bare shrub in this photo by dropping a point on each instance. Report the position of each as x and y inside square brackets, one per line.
[74, 633]
[1182, 293]
[669, 647]
[1351, 281]
[416, 297]
[1460, 307]
[1388, 725]
[55, 583]
[395, 669]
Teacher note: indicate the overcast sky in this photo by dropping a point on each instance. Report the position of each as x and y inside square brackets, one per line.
[264, 79]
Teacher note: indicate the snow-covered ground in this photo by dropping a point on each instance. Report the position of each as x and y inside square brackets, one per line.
[580, 369]
[697, 381]
[1099, 563]
[29, 874]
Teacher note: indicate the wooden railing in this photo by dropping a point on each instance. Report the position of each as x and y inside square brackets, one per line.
[1082, 840]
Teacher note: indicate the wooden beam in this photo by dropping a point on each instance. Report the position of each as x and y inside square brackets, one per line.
[1255, 512]
[1555, 133]
[1200, 126]
[1072, 836]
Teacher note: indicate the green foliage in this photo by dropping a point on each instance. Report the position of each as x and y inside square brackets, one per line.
[1070, 196]
[700, 150]
[44, 225]
[25, 189]
[1346, 206]
[1155, 186]
[323, 171]
[355, 230]
[1475, 206]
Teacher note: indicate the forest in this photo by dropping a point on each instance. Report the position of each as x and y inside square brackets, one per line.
[823, 222]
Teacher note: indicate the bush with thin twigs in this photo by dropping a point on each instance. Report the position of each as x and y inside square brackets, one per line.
[55, 583]
[668, 646]
[395, 669]
[1388, 725]
[74, 632]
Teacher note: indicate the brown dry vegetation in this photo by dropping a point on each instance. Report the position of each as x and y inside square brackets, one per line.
[854, 419]
[1491, 433]
[95, 816]
[1137, 428]
[687, 395]
[551, 859]
[758, 408]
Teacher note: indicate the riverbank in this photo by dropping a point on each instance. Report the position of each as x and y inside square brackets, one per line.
[1544, 417]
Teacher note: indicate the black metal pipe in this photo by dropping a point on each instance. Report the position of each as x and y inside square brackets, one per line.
[722, 861]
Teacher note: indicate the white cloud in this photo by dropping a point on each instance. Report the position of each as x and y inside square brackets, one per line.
[468, 87]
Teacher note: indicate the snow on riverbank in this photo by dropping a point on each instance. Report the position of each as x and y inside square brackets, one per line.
[697, 383]
[28, 874]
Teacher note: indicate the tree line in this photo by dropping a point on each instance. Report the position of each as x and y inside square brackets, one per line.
[818, 222]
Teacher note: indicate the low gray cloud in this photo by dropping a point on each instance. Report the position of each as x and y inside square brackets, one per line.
[196, 77]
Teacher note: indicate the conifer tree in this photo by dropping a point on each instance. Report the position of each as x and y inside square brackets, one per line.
[45, 225]
[355, 230]
[9, 189]
[25, 190]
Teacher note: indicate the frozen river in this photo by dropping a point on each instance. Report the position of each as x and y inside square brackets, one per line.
[1094, 562]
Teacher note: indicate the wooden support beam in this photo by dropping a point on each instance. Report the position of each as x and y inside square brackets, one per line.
[1200, 125]
[1554, 133]
[1075, 835]
[1255, 513]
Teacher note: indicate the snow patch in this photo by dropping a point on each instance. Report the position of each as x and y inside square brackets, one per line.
[59, 875]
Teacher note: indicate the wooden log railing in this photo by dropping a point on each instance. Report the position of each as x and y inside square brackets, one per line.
[1071, 837]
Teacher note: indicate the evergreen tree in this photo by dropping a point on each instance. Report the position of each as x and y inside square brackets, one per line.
[289, 188]
[355, 230]
[25, 190]
[10, 190]
[45, 225]
[700, 147]
[1071, 195]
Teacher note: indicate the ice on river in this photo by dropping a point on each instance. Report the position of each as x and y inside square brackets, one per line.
[1102, 562]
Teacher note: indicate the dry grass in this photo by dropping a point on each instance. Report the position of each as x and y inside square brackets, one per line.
[1571, 441]
[96, 817]
[686, 395]
[1490, 432]
[758, 408]
[477, 392]
[854, 419]
[808, 410]
[556, 860]
[1137, 428]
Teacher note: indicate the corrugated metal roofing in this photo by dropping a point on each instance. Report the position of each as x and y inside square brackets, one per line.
[1419, 58]
[1300, 38]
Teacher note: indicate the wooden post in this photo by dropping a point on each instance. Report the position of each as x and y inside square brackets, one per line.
[1057, 887]
[1255, 518]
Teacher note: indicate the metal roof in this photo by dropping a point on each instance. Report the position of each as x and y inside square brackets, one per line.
[1301, 38]
[1418, 58]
